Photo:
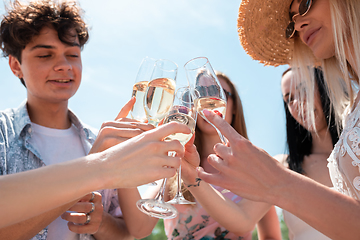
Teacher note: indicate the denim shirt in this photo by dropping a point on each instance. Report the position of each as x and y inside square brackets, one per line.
[17, 154]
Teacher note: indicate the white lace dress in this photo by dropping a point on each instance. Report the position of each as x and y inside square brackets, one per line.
[344, 161]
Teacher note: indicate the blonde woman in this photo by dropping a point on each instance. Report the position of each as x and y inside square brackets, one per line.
[319, 32]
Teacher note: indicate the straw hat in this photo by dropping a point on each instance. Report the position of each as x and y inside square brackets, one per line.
[261, 27]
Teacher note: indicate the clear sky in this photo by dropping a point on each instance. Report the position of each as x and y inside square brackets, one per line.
[123, 32]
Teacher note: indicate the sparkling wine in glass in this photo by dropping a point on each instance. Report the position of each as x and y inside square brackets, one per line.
[158, 100]
[208, 93]
[182, 111]
[160, 91]
[141, 82]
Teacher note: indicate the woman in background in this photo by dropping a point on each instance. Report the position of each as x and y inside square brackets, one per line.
[215, 214]
[201, 221]
[308, 147]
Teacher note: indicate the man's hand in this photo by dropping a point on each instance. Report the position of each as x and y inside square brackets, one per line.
[87, 214]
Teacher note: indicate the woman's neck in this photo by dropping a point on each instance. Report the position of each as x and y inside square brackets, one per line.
[321, 142]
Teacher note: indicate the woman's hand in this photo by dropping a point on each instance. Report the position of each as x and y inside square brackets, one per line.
[189, 163]
[243, 168]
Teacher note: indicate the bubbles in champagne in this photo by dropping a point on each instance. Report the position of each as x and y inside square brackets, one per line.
[182, 115]
[159, 97]
[210, 103]
[138, 111]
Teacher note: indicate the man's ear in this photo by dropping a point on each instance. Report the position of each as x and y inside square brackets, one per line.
[15, 66]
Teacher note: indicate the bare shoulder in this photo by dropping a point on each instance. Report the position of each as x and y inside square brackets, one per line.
[282, 159]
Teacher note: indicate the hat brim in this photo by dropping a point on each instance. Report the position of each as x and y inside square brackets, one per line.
[261, 28]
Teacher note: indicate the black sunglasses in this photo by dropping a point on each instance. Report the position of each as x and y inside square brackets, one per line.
[304, 8]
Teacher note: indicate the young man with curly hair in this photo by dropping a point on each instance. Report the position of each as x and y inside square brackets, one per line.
[43, 42]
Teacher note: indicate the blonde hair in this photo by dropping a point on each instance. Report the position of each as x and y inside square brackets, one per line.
[238, 123]
[341, 78]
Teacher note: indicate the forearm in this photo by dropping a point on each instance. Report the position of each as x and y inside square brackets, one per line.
[45, 188]
[29, 228]
[268, 227]
[237, 218]
[330, 212]
[112, 228]
[139, 224]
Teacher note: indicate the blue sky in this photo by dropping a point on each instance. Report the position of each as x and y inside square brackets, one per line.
[123, 32]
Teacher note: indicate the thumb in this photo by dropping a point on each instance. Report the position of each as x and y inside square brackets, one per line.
[126, 109]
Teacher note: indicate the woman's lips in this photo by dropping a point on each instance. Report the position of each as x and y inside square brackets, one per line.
[310, 35]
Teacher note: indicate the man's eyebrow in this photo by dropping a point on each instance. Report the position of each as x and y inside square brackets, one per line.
[42, 46]
[52, 47]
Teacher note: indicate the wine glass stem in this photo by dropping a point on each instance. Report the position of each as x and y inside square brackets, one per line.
[153, 122]
[179, 193]
[160, 196]
[222, 138]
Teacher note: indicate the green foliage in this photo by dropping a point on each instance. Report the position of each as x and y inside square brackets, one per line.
[254, 235]
[158, 232]
[284, 230]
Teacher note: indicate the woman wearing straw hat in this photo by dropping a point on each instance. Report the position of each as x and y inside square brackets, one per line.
[301, 33]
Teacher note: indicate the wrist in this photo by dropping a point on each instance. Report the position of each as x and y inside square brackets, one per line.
[284, 189]
[196, 183]
[102, 230]
[97, 168]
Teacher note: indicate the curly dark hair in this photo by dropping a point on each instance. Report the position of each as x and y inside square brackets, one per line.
[24, 21]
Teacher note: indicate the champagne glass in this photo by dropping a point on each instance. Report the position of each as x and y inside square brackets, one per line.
[141, 82]
[158, 100]
[157, 207]
[182, 111]
[208, 93]
[159, 94]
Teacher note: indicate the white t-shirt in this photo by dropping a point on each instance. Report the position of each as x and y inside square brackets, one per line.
[57, 146]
